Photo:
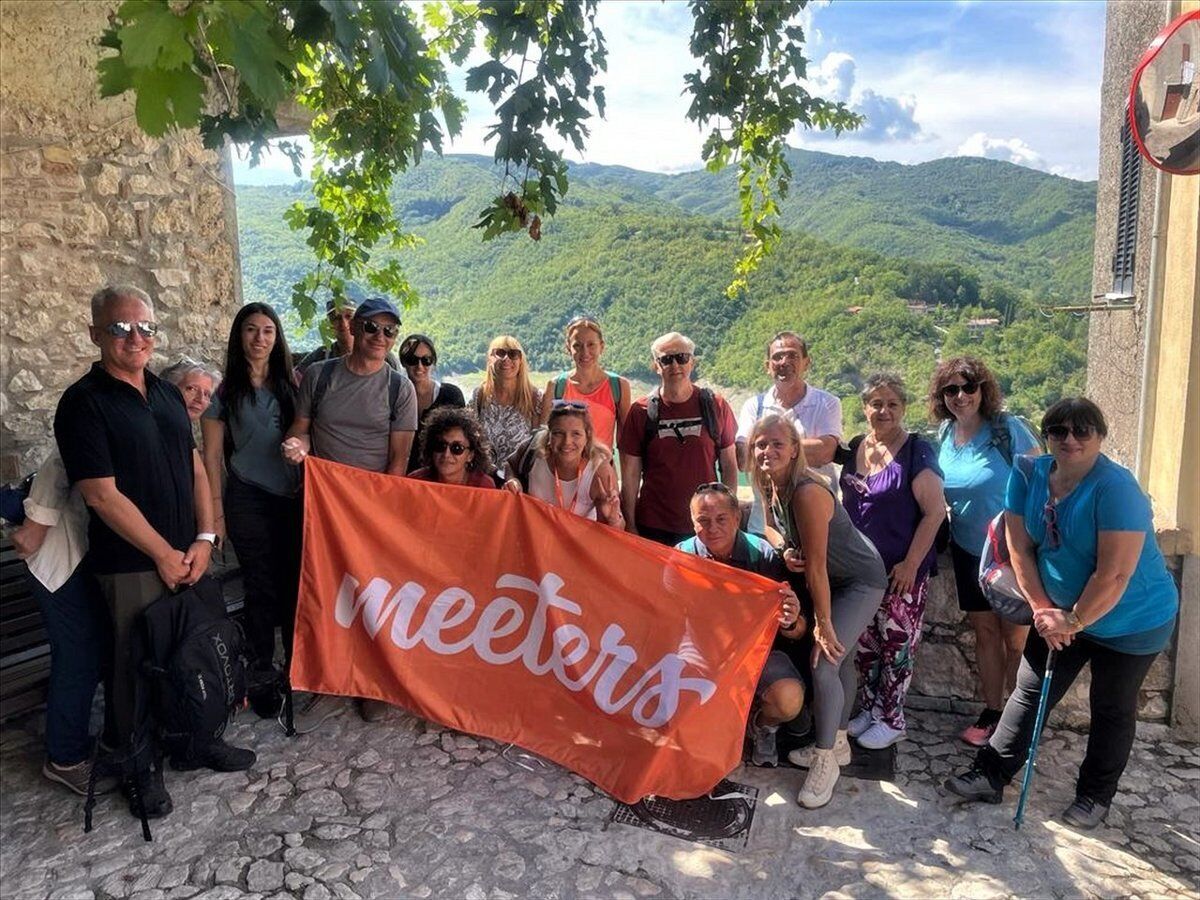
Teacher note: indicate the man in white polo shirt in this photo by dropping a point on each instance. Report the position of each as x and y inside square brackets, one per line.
[817, 414]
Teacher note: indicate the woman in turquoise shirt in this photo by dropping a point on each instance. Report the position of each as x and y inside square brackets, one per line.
[1081, 537]
[978, 442]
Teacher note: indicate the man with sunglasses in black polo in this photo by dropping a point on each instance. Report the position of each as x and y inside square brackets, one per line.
[355, 410]
[126, 443]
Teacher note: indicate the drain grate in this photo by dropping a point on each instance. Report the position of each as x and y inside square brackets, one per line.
[724, 823]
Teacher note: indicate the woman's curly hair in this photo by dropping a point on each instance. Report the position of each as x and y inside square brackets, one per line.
[971, 369]
[444, 419]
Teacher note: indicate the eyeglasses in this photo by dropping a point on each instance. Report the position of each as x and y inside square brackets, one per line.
[124, 330]
[412, 359]
[457, 448]
[717, 486]
[569, 406]
[953, 390]
[389, 331]
[506, 353]
[680, 358]
[1050, 520]
[1060, 432]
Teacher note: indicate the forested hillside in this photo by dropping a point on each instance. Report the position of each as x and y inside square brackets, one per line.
[884, 267]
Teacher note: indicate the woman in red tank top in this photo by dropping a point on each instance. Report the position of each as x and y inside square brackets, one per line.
[607, 395]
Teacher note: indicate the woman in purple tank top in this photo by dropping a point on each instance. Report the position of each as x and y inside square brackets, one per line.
[892, 490]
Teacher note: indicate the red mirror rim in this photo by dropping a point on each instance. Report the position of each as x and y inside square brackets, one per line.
[1148, 57]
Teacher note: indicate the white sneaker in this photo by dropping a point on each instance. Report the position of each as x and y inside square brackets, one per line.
[822, 776]
[880, 735]
[860, 723]
[803, 757]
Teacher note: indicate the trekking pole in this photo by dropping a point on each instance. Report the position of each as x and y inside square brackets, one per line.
[1038, 722]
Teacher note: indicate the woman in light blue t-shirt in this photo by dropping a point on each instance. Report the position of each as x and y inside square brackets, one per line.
[1081, 537]
[978, 443]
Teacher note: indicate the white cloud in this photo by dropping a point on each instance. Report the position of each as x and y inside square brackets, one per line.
[1013, 150]
[834, 77]
[888, 119]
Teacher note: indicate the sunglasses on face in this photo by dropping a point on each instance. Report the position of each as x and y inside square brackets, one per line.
[414, 360]
[344, 315]
[124, 330]
[681, 358]
[504, 353]
[389, 331]
[953, 390]
[1060, 432]
[456, 448]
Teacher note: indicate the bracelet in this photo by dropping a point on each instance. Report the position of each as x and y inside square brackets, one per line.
[207, 536]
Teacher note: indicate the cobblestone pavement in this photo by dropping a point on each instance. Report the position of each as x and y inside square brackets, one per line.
[407, 809]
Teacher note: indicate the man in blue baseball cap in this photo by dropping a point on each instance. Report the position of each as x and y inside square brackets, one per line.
[355, 410]
[340, 315]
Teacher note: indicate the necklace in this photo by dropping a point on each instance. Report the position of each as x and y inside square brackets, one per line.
[558, 488]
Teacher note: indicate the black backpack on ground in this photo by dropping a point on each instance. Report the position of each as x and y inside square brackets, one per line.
[194, 667]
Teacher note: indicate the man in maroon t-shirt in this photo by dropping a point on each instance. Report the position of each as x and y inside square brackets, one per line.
[659, 475]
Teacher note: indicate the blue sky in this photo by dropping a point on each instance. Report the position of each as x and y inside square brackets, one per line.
[1018, 81]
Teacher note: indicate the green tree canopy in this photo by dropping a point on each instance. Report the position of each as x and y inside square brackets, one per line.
[373, 77]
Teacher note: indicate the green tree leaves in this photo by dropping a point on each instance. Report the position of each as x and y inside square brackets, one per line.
[371, 75]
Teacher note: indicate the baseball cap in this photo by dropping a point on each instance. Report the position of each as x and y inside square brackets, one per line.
[373, 306]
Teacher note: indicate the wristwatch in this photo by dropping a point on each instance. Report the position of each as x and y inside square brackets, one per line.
[207, 536]
[1073, 620]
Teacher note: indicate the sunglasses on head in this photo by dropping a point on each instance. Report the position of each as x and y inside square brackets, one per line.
[456, 448]
[584, 320]
[389, 331]
[1060, 432]
[953, 390]
[411, 359]
[124, 330]
[569, 406]
[717, 486]
[681, 358]
[506, 353]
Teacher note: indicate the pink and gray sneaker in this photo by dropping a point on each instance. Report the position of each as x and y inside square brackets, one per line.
[978, 734]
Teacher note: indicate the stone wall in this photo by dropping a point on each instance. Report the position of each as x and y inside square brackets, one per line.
[1116, 338]
[88, 200]
[944, 677]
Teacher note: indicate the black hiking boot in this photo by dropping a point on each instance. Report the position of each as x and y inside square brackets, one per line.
[148, 785]
[973, 785]
[1085, 813]
[264, 691]
[218, 756]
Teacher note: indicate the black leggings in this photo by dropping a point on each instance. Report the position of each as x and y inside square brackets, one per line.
[264, 529]
[1116, 679]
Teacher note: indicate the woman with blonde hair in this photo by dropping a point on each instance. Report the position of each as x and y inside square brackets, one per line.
[564, 465]
[606, 394]
[507, 403]
[845, 578]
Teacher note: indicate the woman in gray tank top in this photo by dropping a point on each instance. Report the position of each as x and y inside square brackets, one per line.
[845, 577]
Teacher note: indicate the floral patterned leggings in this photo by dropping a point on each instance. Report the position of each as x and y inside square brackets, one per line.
[886, 651]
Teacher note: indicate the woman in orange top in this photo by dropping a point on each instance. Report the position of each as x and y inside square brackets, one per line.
[606, 394]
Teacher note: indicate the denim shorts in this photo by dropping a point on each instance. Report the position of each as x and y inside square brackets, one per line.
[778, 667]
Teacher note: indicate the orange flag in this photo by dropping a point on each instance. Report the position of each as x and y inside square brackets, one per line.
[503, 616]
